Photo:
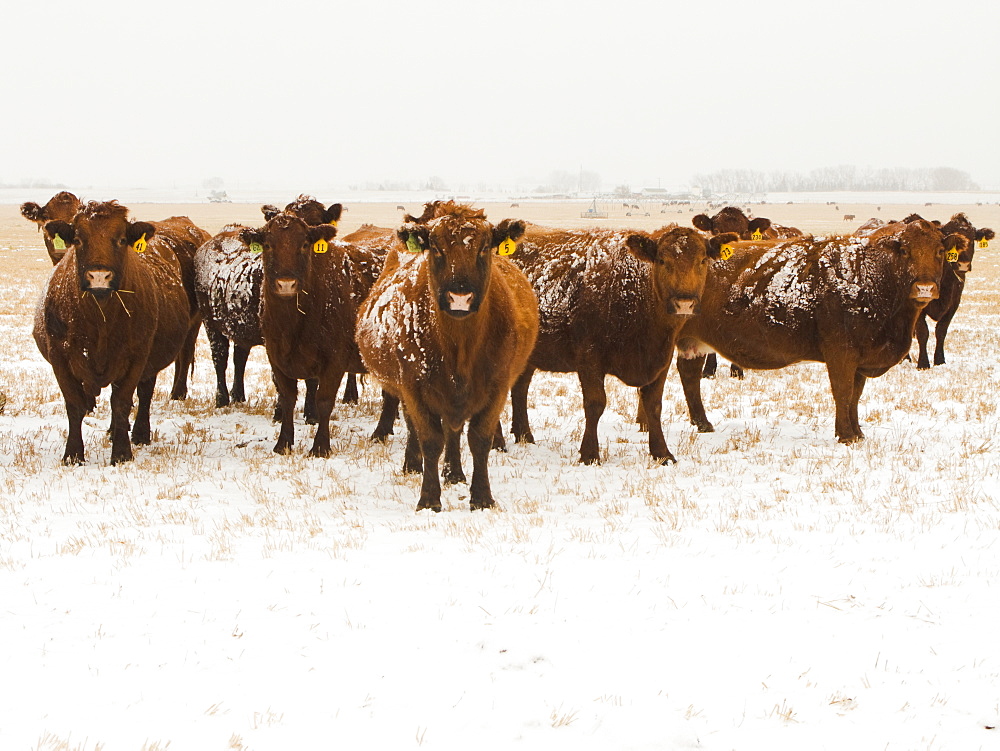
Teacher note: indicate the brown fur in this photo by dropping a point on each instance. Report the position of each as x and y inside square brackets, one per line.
[110, 316]
[448, 330]
[732, 219]
[62, 207]
[851, 303]
[612, 302]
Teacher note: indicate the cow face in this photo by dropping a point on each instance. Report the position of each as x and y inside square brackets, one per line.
[288, 245]
[919, 253]
[62, 207]
[102, 238]
[961, 261]
[460, 249]
[679, 258]
[308, 209]
[732, 219]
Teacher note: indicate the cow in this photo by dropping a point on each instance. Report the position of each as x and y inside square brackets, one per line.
[849, 302]
[447, 328]
[115, 313]
[61, 207]
[612, 302]
[310, 291]
[943, 309]
[732, 219]
[848, 217]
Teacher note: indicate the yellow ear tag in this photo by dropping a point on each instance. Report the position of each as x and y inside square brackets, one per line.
[58, 243]
[333, 223]
[412, 245]
[256, 248]
[756, 235]
[507, 247]
[984, 243]
[951, 256]
[139, 246]
[321, 246]
[726, 252]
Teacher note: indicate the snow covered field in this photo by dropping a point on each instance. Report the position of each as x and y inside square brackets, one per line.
[772, 590]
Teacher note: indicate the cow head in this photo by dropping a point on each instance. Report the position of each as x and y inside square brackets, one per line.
[102, 238]
[62, 207]
[732, 219]
[961, 261]
[288, 245]
[308, 209]
[460, 244]
[918, 250]
[680, 259]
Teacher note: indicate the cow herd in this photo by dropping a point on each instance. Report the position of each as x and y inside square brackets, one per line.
[450, 313]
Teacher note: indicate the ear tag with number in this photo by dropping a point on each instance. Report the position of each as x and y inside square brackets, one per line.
[332, 222]
[412, 245]
[139, 246]
[507, 247]
[321, 246]
[756, 235]
[951, 256]
[256, 248]
[984, 243]
[726, 252]
[58, 243]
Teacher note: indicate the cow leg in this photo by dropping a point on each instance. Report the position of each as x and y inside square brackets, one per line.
[640, 414]
[735, 371]
[844, 375]
[140, 428]
[351, 389]
[690, 372]
[519, 407]
[595, 398]
[390, 406]
[413, 459]
[78, 403]
[923, 333]
[482, 433]
[309, 411]
[218, 343]
[287, 393]
[499, 442]
[711, 366]
[940, 332]
[240, 355]
[451, 470]
[652, 401]
[185, 361]
[859, 387]
[325, 394]
[121, 405]
[431, 437]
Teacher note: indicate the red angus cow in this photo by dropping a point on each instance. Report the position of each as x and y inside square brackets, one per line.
[62, 207]
[110, 316]
[612, 302]
[849, 302]
[448, 330]
[732, 219]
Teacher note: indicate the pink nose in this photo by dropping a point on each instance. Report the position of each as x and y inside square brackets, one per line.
[460, 302]
[684, 307]
[925, 291]
[286, 287]
[964, 266]
[99, 279]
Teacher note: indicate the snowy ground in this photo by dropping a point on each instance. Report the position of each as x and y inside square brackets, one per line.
[773, 590]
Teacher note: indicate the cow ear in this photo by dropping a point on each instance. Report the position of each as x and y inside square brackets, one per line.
[251, 237]
[332, 214]
[414, 237]
[269, 211]
[760, 224]
[322, 232]
[985, 234]
[62, 230]
[642, 246]
[702, 222]
[33, 212]
[508, 229]
[956, 242]
[718, 242]
[137, 230]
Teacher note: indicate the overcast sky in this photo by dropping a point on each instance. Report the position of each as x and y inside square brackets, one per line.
[644, 93]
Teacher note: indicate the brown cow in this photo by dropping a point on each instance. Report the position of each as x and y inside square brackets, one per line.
[732, 219]
[310, 293]
[115, 313]
[612, 302]
[849, 302]
[943, 309]
[62, 207]
[448, 330]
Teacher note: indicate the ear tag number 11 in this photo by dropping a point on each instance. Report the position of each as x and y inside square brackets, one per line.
[507, 247]
[139, 246]
[321, 246]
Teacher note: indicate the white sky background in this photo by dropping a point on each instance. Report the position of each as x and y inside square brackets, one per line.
[313, 92]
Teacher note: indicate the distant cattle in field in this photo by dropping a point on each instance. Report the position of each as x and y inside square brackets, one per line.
[115, 313]
[732, 219]
[850, 302]
[400, 207]
[61, 207]
[612, 302]
[957, 265]
[515, 205]
[848, 217]
[447, 328]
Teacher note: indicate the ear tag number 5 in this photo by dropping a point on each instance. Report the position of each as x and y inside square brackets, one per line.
[139, 246]
[507, 247]
[726, 252]
[321, 246]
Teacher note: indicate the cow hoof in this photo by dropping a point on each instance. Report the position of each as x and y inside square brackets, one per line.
[413, 468]
[120, 458]
[479, 505]
[704, 427]
[434, 506]
[923, 366]
[320, 453]
[590, 460]
[380, 436]
[663, 460]
[525, 438]
[847, 440]
[282, 448]
[178, 396]
[73, 460]
[221, 402]
[453, 478]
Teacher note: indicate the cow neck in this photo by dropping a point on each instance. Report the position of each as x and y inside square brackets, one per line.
[462, 338]
[117, 309]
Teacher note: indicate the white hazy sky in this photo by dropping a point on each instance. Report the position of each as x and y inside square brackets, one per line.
[310, 92]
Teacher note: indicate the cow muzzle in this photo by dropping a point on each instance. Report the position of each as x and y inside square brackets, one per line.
[685, 306]
[459, 301]
[285, 286]
[100, 282]
[924, 291]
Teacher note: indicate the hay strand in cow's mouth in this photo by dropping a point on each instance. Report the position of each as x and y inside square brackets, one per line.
[297, 306]
[118, 295]
[96, 302]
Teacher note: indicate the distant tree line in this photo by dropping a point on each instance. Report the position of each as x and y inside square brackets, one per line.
[844, 177]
